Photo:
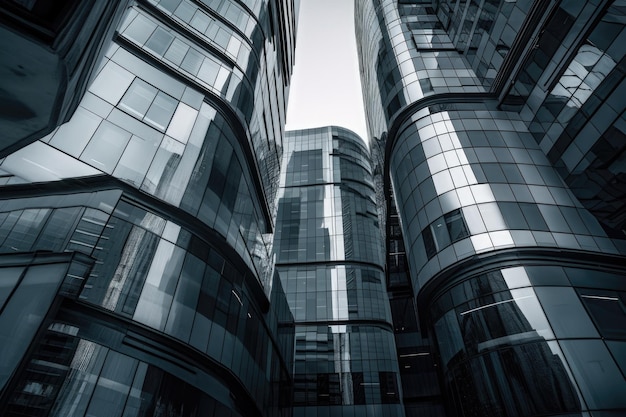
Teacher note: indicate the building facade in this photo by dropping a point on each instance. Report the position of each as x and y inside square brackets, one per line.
[135, 239]
[498, 133]
[330, 261]
[50, 53]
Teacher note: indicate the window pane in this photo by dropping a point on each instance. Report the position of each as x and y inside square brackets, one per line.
[34, 294]
[176, 52]
[136, 159]
[140, 29]
[180, 320]
[440, 231]
[161, 111]
[608, 310]
[80, 383]
[57, 228]
[111, 82]
[208, 71]
[192, 61]
[533, 217]
[163, 167]
[158, 291]
[113, 386]
[456, 225]
[8, 281]
[138, 98]
[429, 242]
[159, 41]
[200, 21]
[106, 146]
[169, 5]
[222, 38]
[599, 378]
[565, 312]
[74, 135]
[24, 233]
[182, 123]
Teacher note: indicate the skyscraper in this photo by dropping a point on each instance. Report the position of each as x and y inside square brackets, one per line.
[498, 134]
[330, 261]
[136, 271]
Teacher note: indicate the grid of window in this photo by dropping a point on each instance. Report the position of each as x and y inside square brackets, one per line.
[486, 165]
[444, 231]
[155, 272]
[320, 293]
[103, 382]
[578, 118]
[517, 314]
[331, 222]
[211, 29]
[326, 213]
[198, 164]
[420, 65]
[174, 49]
[350, 367]
[262, 111]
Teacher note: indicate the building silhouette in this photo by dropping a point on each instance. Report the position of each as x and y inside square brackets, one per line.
[497, 131]
[136, 270]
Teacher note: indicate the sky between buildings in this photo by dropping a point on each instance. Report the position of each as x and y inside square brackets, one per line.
[326, 88]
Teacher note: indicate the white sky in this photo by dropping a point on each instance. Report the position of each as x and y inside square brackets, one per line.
[325, 88]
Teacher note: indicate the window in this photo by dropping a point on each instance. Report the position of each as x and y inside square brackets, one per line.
[389, 388]
[608, 310]
[444, 231]
[149, 104]
[429, 242]
[159, 41]
[456, 225]
[138, 98]
[106, 146]
[161, 111]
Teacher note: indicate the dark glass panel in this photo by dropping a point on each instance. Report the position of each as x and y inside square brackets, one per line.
[429, 242]
[456, 225]
[389, 390]
[608, 311]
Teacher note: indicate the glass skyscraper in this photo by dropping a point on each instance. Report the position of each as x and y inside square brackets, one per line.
[329, 258]
[136, 273]
[163, 252]
[497, 128]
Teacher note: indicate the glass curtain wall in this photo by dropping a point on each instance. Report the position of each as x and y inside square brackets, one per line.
[458, 98]
[329, 259]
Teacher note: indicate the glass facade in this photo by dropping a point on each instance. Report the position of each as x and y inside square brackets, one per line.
[50, 55]
[154, 273]
[496, 134]
[166, 249]
[163, 183]
[329, 259]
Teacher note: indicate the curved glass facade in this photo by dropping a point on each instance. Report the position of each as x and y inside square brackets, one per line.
[470, 181]
[165, 178]
[173, 113]
[477, 196]
[154, 273]
[522, 321]
[330, 262]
